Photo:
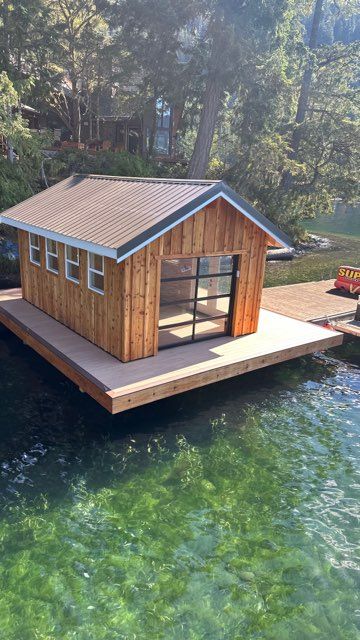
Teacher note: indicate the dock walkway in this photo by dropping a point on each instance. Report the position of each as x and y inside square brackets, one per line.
[309, 301]
[119, 386]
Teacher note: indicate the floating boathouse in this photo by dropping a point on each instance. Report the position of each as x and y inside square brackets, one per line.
[136, 266]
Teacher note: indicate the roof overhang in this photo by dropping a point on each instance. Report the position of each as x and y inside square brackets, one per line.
[60, 237]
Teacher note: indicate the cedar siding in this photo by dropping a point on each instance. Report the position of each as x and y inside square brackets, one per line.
[124, 321]
[94, 316]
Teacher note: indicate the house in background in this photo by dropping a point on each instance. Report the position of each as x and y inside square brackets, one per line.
[132, 131]
[110, 123]
[135, 265]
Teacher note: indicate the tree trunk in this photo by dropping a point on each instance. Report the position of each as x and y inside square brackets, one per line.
[76, 116]
[98, 116]
[304, 92]
[9, 147]
[90, 117]
[212, 100]
[6, 37]
[151, 143]
[209, 114]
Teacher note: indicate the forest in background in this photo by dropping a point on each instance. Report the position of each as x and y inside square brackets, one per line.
[269, 92]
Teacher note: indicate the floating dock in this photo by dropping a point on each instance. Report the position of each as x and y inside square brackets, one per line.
[317, 302]
[118, 386]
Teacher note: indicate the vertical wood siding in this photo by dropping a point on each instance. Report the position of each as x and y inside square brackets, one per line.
[124, 321]
[94, 316]
[216, 229]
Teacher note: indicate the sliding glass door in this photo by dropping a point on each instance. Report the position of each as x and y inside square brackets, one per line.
[195, 298]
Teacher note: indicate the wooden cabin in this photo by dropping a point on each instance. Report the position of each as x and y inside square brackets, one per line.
[141, 264]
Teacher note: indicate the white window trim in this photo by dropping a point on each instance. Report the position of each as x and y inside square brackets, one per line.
[76, 264]
[54, 255]
[33, 246]
[92, 270]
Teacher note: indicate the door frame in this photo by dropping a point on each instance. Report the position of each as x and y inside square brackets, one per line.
[234, 275]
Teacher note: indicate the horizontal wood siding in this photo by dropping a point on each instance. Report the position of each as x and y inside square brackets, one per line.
[94, 316]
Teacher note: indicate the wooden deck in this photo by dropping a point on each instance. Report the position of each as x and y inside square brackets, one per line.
[119, 386]
[351, 328]
[309, 301]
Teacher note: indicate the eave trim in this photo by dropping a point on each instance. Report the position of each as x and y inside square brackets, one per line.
[220, 190]
[59, 237]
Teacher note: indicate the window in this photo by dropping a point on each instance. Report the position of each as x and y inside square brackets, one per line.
[34, 245]
[72, 263]
[52, 260]
[96, 272]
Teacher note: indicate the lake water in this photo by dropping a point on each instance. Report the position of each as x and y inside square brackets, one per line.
[344, 221]
[230, 512]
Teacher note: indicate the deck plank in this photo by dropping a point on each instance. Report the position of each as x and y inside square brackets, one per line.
[308, 301]
[118, 386]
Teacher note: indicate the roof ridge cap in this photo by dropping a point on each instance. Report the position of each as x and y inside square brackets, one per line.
[146, 179]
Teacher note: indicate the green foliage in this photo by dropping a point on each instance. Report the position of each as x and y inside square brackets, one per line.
[13, 185]
[18, 180]
[129, 54]
[8, 267]
[326, 165]
[12, 126]
[103, 162]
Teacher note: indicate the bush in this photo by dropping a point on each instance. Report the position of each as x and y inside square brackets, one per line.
[9, 267]
[14, 187]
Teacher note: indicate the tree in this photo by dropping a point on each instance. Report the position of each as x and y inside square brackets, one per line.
[304, 93]
[234, 34]
[24, 35]
[326, 161]
[80, 32]
[18, 173]
[147, 42]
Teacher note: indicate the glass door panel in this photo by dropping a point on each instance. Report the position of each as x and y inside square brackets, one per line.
[175, 335]
[195, 298]
[178, 268]
[210, 328]
[214, 286]
[212, 307]
[176, 313]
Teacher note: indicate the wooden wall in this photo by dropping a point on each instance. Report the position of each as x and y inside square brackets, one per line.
[94, 316]
[217, 229]
[125, 320]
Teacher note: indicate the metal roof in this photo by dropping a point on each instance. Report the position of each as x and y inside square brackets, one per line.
[116, 216]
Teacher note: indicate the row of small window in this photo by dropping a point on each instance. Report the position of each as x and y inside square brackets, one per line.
[72, 262]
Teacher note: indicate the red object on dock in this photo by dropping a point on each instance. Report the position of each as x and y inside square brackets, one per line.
[348, 279]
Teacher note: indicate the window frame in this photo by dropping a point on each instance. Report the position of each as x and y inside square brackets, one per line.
[196, 321]
[93, 270]
[53, 255]
[37, 248]
[69, 261]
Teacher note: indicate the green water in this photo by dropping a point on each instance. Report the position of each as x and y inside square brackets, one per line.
[344, 221]
[228, 513]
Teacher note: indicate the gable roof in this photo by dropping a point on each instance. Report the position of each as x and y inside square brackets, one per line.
[117, 216]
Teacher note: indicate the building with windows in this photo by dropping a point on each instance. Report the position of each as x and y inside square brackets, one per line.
[117, 271]
[136, 265]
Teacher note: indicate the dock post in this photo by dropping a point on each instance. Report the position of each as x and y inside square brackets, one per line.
[357, 312]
